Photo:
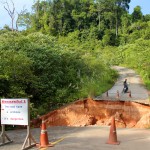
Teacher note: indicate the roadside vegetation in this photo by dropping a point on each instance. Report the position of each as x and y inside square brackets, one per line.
[67, 49]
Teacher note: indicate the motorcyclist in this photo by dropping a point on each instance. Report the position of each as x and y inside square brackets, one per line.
[125, 86]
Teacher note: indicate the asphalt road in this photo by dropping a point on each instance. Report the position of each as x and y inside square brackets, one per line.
[84, 138]
[138, 92]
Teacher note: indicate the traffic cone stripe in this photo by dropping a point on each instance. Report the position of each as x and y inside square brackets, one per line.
[43, 131]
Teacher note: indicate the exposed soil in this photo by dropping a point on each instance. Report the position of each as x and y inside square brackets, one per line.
[90, 112]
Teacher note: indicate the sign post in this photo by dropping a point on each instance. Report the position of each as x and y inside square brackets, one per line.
[16, 112]
[3, 136]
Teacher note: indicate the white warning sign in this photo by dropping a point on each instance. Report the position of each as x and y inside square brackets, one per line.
[14, 111]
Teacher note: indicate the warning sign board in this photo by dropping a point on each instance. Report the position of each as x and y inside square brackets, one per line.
[15, 111]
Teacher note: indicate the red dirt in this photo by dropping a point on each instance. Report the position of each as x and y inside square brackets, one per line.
[89, 112]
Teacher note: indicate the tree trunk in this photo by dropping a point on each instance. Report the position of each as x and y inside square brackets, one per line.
[99, 19]
[116, 24]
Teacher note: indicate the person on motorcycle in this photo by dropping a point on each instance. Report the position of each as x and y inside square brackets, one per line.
[125, 86]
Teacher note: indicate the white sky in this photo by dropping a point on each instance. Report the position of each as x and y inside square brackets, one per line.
[19, 4]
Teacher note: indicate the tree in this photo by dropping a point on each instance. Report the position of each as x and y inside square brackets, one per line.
[11, 12]
[125, 23]
[137, 14]
[100, 8]
[112, 11]
[146, 17]
[121, 6]
[24, 19]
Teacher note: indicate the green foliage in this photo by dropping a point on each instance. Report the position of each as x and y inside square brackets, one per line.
[34, 112]
[137, 56]
[63, 16]
[15, 73]
[98, 77]
[37, 66]
[137, 14]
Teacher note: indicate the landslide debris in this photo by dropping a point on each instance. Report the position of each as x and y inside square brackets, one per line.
[98, 112]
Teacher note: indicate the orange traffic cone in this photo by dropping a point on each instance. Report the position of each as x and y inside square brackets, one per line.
[107, 94]
[113, 134]
[44, 137]
[117, 95]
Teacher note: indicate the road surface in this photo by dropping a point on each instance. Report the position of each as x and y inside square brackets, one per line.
[137, 91]
[84, 138]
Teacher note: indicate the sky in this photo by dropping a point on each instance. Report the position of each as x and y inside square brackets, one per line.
[145, 6]
[19, 4]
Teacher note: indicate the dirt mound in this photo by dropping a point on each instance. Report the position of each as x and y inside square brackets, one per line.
[90, 112]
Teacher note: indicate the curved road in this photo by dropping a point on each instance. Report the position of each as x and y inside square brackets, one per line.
[138, 92]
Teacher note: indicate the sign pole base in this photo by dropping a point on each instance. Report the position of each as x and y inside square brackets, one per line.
[4, 136]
